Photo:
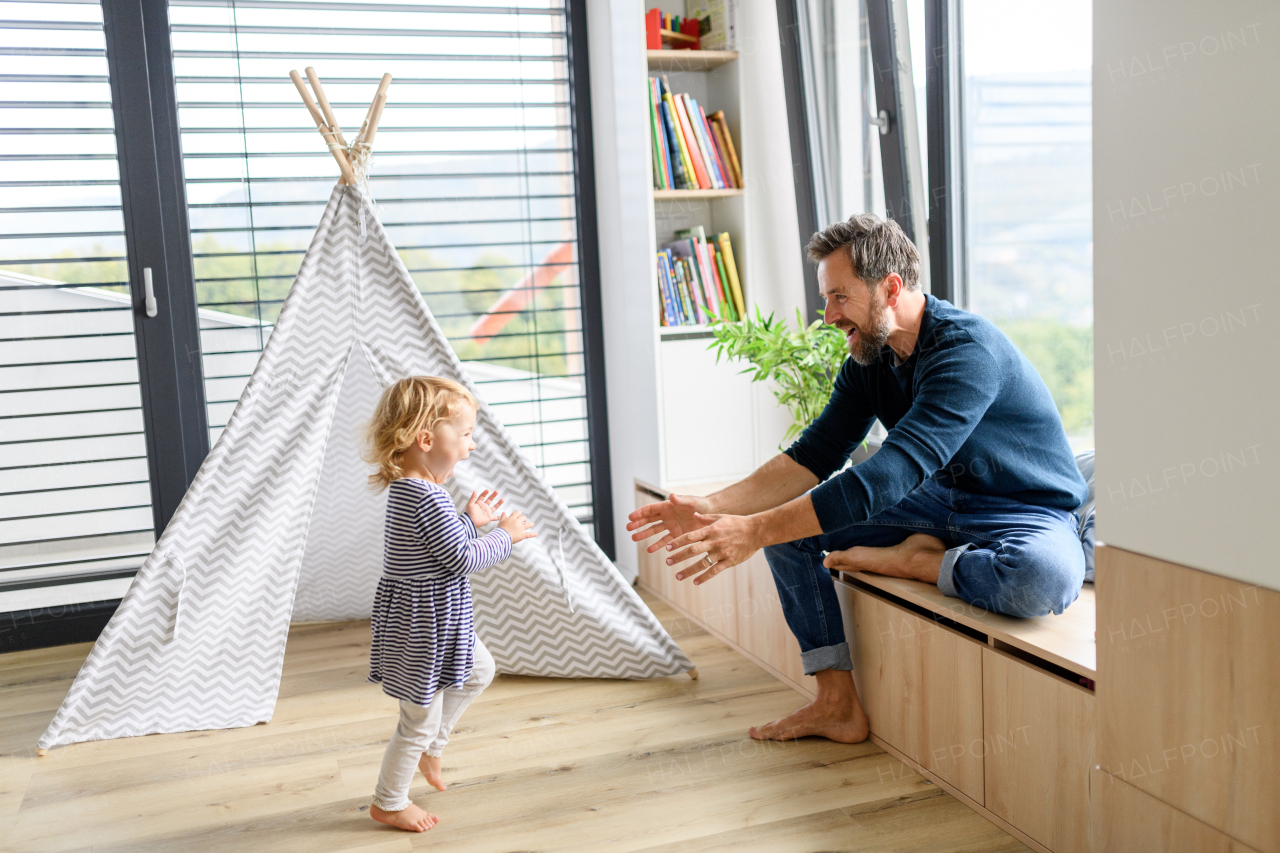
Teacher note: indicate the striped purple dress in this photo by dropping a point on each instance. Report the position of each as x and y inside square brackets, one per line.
[423, 627]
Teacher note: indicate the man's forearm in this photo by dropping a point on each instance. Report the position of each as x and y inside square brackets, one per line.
[793, 520]
[771, 486]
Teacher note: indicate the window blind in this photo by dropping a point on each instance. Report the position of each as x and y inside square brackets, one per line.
[75, 500]
[472, 176]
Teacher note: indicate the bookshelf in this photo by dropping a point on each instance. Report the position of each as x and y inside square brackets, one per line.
[676, 417]
[686, 370]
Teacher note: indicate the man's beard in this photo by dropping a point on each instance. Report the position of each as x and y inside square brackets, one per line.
[872, 338]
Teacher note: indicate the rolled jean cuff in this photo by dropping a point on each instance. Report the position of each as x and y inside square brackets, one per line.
[946, 579]
[827, 657]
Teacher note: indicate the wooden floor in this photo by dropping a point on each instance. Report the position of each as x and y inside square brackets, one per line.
[536, 764]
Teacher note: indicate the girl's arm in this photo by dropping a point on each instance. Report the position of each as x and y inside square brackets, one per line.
[451, 538]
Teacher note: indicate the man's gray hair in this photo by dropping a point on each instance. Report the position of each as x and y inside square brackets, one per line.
[876, 246]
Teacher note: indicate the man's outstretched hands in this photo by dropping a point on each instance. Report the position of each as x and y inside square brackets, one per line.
[674, 517]
[723, 541]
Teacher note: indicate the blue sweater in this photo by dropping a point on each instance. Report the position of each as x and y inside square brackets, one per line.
[966, 409]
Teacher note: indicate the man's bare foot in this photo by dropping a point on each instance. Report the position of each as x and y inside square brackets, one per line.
[412, 818]
[430, 767]
[835, 715]
[918, 556]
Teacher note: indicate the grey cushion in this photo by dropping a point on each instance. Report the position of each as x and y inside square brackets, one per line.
[1084, 515]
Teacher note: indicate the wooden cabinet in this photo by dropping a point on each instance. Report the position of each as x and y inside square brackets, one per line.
[1039, 744]
[1189, 692]
[921, 685]
[1127, 820]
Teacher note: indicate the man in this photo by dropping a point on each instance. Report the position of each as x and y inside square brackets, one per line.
[973, 488]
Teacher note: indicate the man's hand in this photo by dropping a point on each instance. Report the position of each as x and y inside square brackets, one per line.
[674, 517]
[723, 541]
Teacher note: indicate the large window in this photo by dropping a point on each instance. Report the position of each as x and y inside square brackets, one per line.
[1028, 138]
[1008, 174]
[75, 502]
[472, 174]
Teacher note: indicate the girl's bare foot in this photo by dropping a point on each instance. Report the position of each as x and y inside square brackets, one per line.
[412, 818]
[430, 767]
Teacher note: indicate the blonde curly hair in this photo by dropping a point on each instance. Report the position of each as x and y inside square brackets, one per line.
[407, 409]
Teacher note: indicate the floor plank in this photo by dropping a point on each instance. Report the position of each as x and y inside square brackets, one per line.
[535, 764]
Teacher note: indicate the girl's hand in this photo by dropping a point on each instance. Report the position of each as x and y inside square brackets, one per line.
[517, 526]
[482, 509]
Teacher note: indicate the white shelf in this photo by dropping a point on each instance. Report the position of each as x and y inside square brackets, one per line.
[700, 331]
[688, 60]
[690, 195]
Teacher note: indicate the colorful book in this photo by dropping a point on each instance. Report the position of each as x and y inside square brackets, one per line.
[722, 153]
[691, 180]
[664, 318]
[664, 152]
[726, 177]
[697, 238]
[686, 295]
[680, 176]
[691, 110]
[731, 268]
[686, 251]
[691, 145]
[729, 302]
[718, 118]
[718, 137]
[704, 143]
[659, 172]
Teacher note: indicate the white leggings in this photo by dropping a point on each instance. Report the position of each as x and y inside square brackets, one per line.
[426, 730]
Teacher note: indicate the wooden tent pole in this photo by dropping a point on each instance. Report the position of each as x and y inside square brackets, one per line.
[376, 109]
[348, 176]
[324, 105]
[368, 116]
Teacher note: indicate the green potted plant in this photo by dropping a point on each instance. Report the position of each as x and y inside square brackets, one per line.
[802, 364]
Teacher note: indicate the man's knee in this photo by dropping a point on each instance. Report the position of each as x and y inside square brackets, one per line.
[1043, 582]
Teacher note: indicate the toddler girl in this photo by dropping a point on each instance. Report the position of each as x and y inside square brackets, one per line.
[425, 650]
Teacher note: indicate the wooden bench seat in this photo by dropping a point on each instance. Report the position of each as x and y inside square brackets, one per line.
[1066, 640]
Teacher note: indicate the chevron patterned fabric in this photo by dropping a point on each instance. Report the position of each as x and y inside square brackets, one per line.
[279, 524]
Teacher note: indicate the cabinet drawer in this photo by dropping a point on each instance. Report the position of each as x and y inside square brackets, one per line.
[1128, 820]
[1039, 737]
[921, 685]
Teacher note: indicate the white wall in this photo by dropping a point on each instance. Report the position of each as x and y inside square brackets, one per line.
[1187, 366]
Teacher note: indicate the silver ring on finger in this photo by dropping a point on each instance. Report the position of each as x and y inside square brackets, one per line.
[707, 557]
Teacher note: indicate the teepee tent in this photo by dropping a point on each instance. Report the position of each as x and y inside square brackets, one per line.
[279, 522]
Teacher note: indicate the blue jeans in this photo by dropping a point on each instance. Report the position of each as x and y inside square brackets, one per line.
[1004, 556]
